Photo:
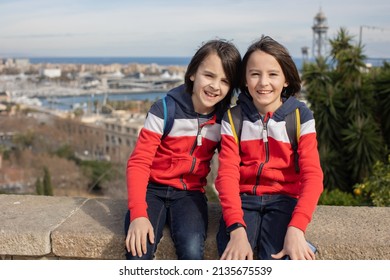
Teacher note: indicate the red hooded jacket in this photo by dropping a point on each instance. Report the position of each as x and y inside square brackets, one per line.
[180, 160]
[264, 162]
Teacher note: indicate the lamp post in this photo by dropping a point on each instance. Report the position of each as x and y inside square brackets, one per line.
[368, 27]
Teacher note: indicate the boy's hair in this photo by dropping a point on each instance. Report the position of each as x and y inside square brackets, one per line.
[280, 53]
[231, 63]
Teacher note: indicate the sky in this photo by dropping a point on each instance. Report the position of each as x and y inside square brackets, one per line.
[115, 28]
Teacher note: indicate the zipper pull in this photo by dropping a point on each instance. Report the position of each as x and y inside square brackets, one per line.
[199, 139]
[265, 134]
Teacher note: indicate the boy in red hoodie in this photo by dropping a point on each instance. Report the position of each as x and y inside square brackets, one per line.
[266, 203]
[166, 176]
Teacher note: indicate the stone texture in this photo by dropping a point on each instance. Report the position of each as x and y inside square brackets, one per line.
[27, 221]
[351, 233]
[95, 231]
[38, 227]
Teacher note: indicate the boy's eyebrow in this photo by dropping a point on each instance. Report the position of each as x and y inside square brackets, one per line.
[208, 71]
[268, 70]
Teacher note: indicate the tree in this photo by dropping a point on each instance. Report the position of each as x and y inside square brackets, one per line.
[47, 187]
[39, 186]
[98, 172]
[342, 95]
[376, 187]
[326, 104]
[381, 85]
[78, 112]
[24, 140]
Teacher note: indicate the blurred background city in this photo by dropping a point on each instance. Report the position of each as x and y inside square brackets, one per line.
[78, 77]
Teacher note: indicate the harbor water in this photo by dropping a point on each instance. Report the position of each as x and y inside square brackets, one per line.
[69, 103]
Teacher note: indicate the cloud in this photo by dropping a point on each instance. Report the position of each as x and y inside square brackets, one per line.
[173, 27]
[40, 36]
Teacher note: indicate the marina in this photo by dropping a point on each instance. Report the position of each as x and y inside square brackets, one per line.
[67, 103]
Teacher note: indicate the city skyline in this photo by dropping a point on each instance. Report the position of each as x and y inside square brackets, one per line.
[177, 28]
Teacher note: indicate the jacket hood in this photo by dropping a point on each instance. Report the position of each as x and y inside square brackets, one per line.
[288, 106]
[183, 98]
[246, 103]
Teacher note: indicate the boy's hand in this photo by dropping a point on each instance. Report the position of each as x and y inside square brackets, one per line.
[137, 235]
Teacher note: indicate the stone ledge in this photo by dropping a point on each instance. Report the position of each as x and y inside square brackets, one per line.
[39, 227]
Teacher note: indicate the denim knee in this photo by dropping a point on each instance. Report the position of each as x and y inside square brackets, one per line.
[148, 256]
[191, 248]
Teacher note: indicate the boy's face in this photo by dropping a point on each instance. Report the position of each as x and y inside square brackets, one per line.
[265, 81]
[210, 84]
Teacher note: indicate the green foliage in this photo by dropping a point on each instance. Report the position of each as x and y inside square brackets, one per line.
[78, 112]
[4, 152]
[340, 43]
[381, 83]
[351, 110]
[25, 140]
[98, 172]
[67, 152]
[363, 146]
[338, 198]
[376, 188]
[39, 187]
[47, 186]
[334, 168]
[106, 109]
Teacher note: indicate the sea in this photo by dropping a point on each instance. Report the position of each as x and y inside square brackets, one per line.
[70, 102]
[169, 60]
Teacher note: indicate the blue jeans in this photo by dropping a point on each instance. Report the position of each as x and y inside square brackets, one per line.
[267, 218]
[185, 212]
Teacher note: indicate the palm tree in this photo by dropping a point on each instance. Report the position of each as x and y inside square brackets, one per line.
[363, 146]
[382, 97]
[326, 105]
[342, 98]
[340, 43]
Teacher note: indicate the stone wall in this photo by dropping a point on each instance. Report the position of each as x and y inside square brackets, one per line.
[39, 227]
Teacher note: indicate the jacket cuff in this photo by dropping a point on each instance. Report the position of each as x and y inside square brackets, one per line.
[136, 213]
[300, 221]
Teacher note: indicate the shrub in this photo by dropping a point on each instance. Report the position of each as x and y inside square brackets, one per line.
[339, 198]
[376, 188]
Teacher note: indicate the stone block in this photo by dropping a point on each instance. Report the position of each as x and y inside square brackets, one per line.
[95, 231]
[26, 222]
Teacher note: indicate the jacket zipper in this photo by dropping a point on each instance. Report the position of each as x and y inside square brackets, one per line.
[265, 140]
[198, 142]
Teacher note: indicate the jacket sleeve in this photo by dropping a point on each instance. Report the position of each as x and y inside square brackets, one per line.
[140, 162]
[228, 178]
[311, 176]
